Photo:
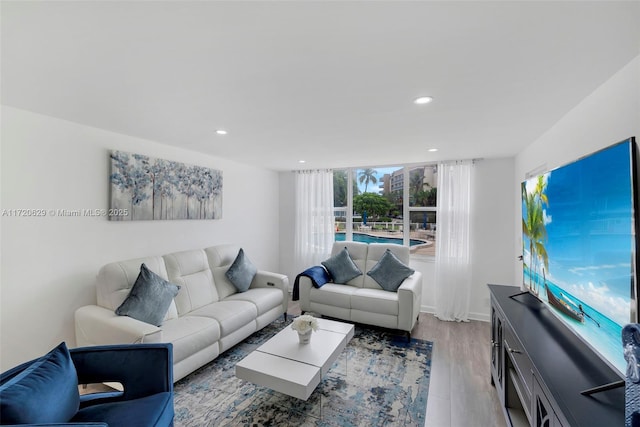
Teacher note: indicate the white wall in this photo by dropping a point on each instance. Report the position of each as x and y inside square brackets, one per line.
[48, 264]
[609, 115]
[492, 236]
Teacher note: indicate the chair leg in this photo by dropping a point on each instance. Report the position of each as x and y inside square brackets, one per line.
[285, 317]
[408, 336]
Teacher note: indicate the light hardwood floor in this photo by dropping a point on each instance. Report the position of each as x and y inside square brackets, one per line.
[460, 390]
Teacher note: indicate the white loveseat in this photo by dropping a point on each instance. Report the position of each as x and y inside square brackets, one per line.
[362, 299]
[207, 317]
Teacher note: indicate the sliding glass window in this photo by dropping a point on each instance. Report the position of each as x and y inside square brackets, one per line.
[390, 204]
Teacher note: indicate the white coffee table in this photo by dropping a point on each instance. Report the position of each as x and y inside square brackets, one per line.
[283, 364]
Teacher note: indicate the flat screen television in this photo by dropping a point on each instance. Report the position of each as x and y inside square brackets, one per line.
[579, 240]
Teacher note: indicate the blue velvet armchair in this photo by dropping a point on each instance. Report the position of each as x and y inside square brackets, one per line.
[44, 391]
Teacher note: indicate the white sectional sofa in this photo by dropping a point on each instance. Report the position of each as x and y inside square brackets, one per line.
[362, 299]
[207, 316]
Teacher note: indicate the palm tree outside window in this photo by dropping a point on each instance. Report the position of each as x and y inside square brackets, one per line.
[367, 176]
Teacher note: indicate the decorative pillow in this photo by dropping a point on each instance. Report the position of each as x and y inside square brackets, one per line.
[341, 267]
[241, 272]
[149, 298]
[45, 392]
[390, 272]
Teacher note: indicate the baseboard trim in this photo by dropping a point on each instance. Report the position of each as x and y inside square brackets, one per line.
[481, 317]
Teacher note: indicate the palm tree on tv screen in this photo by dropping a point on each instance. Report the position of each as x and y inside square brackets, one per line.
[533, 226]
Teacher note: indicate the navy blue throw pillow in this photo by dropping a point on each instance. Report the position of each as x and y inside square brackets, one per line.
[45, 392]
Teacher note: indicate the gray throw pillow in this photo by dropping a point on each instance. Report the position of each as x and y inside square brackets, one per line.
[149, 298]
[390, 272]
[241, 272]
[341, 267]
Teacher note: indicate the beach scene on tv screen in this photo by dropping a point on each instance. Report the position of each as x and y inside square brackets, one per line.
[578, 246]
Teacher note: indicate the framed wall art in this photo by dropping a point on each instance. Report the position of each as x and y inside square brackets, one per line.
[146, 188]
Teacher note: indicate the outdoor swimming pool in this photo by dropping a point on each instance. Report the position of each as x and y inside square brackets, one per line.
[368, 238]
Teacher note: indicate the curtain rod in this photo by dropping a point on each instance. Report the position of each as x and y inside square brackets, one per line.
[473, 161]
[311, 170]
[408, 165]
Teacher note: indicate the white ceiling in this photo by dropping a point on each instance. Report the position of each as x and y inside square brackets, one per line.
[331, 82]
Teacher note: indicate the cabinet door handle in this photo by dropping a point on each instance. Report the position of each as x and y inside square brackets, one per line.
[513, 350]
[494, 344]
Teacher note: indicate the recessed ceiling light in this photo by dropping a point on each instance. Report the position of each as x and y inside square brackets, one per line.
[221, 132]
[302, 161]
[433, 150]
[423, 100]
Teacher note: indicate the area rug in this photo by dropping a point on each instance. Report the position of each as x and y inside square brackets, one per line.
[380, 380]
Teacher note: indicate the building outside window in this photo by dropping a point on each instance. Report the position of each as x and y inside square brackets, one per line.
[388, 204]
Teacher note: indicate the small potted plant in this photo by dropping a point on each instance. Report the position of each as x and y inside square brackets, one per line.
[304, 325]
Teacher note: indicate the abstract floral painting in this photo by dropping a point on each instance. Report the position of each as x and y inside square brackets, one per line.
[145, 188]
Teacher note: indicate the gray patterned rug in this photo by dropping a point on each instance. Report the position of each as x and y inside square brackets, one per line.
[380, 380]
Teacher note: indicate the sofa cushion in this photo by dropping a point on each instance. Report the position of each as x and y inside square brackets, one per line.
[45, 392]
[341, 267]
[390, 272]
[190, 334]
[231, 315]
[241, 272]
[154, 410]
[149, 298]
[264, 299]
[375, 301]
[333, 294]
[220, 258]
[190, 270]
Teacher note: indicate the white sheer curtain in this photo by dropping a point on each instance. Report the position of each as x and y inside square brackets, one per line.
[314, 220]
[453, 254]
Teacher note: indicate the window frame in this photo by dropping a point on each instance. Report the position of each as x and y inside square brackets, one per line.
[407, 209]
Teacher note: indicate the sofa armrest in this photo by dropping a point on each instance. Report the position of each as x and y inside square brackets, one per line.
[97, 325]
[410, 300]
[304, 291]
[142, 369]
[267, 279]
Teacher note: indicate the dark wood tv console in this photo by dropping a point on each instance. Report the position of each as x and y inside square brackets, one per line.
[539, 367]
